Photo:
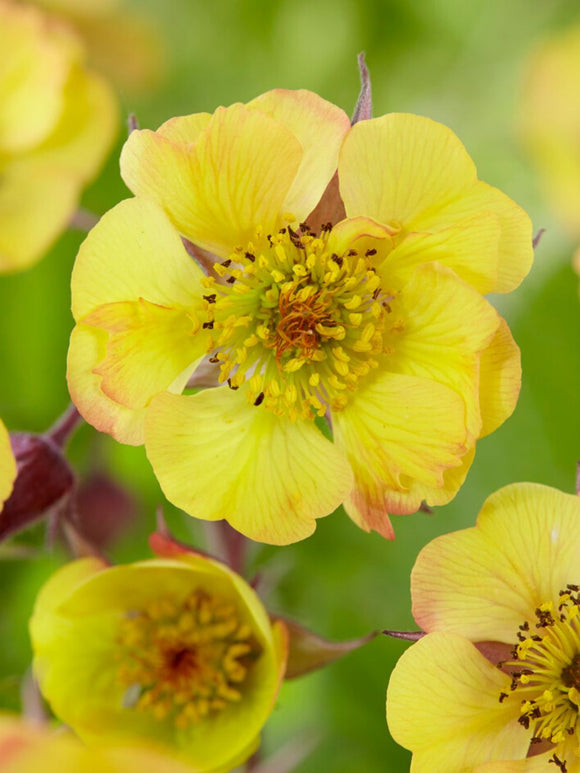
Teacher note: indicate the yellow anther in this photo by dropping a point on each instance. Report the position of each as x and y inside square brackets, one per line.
[293, 365]
[314, 379]
[354, 302]
[355, 319]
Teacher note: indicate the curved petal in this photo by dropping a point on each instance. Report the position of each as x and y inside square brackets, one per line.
[484, 582]
[413, 173]
[440, 327]
[184, 129]
[88, 347]
[217, 457]
[320, 127]
[7, 465]
[443, 704]
[397, 429]
[361, 234]
[234, 178]
[134, 252]
[500, 378]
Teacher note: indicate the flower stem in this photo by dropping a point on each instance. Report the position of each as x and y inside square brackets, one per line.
[233, 546]
[64, 426]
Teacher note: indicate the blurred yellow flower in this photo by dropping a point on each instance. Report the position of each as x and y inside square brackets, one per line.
[28, 748]
[505, 593]
[57, 122]
[550, 122]
[178, 651]
[7, 465]
[377, 321]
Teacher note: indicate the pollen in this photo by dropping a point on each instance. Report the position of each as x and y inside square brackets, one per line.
[546, 674]
[184, 661]
[313, 321]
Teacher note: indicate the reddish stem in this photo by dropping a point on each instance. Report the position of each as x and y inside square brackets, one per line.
[233, 546]
[64, 426]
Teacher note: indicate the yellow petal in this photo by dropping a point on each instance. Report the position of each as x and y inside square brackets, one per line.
[134, 252]
[320, 127]
[88, 347]
[413, 173]
[235, 177]
[35, 208]
[184, 129]
[149, 347]
[7, 465]
[443, 704]
[361, 234]
[500, 378]
[469, 248]
[397, 429]
[217, 457]
[484, 582]
[446, 326]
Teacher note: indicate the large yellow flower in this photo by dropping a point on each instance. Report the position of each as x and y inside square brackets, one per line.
[27, 748]
[57, 122]
[175, 651]
[506, 592]
[7, 466]
[376, 322]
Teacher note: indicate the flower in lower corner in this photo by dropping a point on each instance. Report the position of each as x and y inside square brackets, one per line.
[494, 685]
[57, 123]
[178, 652]
[7, 466]
[375, 322]
[26, 747]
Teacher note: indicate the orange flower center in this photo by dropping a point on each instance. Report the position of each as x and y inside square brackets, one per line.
[184, 661]
[546, 675]
[295, 323]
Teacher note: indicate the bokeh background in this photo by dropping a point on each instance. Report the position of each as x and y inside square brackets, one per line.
[465, 64]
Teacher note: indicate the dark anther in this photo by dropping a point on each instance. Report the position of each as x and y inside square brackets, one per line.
[259, 399]
[559, 763]
[304, 226]
[214, 359]
[525, 626]
[524, 721]
[352, 253]
[208, 325]
[503, 696]
[295, 238]
[535, 739]
[326, 227]
[226, 263]
[376, 293]
[337, 259]
[282, 231]
[370, 253]
[250, 256]
[230, 280]
[210, 298]
[269, 238]
[573, 587]
[231, 386]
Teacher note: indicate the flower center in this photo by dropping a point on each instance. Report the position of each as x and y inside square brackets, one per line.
[546, 674]
[296, 324]
[184, 661]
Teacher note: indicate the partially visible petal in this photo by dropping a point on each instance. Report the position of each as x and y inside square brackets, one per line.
[361, 234]
[320, 127]
[440, 326]
[484, 582]
[470, 248]
[7, 465]
[184, 129]
[149, 347]
[234, 178]
[134, 252]
[217, 457]
[443, 704]
[500, 378]
[397, 429]
[88, 347]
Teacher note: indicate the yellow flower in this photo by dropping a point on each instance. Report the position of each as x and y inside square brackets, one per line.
[550, 122]
[174, 651]
[28, 748]
[7, 466]
[377, 321]
[506, 593]
[57, 122]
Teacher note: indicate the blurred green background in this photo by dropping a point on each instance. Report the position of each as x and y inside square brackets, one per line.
[460, 63]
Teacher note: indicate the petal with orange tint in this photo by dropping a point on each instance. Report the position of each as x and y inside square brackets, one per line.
[149, 347]
[184, 129]
[134, 252]
[484, 582]
[443, 704]
[470, 248]
[88, 347]
[217, 457]
[500, 378]
[7, 465]
[439, 327]
[320, 127]
[234, 178]
[397, 429]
